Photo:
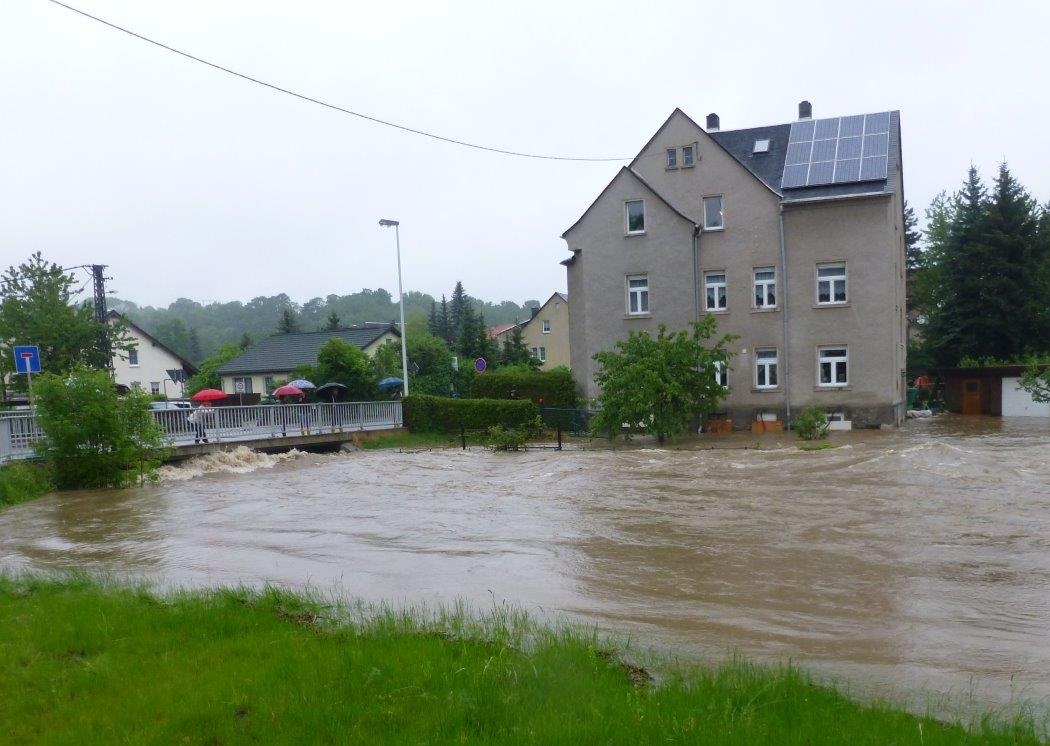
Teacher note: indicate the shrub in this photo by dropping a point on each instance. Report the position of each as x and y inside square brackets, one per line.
[92, 437]
[437, 414]
[812, 423]
[556, 388]
[501, 439]
[22, 481]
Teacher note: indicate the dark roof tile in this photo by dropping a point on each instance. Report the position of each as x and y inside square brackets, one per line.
[283, 352]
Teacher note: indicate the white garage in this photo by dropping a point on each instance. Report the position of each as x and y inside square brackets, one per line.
[1018, 403]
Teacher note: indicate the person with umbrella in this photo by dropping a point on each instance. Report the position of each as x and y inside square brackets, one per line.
[203, 412]
[281, 392]
[333, 390]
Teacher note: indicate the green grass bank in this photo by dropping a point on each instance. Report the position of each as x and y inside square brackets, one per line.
[22, 481]
[83, 663]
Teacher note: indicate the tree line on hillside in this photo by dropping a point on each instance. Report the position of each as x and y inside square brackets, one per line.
[196, 331]
[979, 281]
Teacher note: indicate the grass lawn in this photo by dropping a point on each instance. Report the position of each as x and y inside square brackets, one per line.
[85, 664]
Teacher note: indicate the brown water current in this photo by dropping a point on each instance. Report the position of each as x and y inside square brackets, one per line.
[905, 561]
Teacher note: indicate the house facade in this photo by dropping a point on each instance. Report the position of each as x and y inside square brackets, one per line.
[546, 334]
[150, 365]
[791, 235]
[266, 365]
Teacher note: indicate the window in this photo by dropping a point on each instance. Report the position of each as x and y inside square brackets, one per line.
[246, 382]
[831, 283]
[713, 214]
[154, 387]
[765, 287]
[766, 369]
[269, 385]
[761, 146]
[722, 375]
[687, 156]
[715, 284]
[833, 366]
[637, 294]
[635, 213]
[546, 326]
[836, 415]
[536, 352]
[133, 357]
[672, 157]
[543, 354]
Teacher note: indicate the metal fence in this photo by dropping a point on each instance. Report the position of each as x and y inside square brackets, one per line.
[19, 432]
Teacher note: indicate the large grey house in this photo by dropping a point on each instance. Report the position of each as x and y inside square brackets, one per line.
[792, 235]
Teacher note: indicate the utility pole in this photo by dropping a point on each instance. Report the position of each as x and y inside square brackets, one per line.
[104, 351]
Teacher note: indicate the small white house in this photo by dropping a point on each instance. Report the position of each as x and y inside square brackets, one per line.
[151, 365]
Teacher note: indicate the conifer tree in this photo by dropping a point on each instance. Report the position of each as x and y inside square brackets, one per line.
[289, 322]
[514, 351]
[333, 322]
[446, 323]
[433, 325]
[457, 313]
[912, 241]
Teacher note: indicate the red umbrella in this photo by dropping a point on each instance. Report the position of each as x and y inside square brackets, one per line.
[287, 390]
[209, 395]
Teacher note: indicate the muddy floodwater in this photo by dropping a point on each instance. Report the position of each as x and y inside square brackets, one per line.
[908, 561]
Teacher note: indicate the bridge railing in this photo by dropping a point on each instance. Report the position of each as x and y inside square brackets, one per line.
[19, 432]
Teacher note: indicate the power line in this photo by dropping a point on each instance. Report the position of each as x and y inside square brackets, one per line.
[328, 105]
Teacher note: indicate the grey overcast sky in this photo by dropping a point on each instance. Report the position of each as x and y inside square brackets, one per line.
[189, 182]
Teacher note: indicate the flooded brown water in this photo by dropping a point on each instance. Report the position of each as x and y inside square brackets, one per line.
[904, 561]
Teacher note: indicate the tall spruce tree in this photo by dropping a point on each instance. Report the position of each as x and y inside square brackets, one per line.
[446, 323]
[515, 352]
[457, 313]
[333, 322]
[289, 322]
[433, 324]
[957, 327]
[912, 241]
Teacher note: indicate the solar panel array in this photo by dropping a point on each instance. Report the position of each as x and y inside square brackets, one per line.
[837, 151]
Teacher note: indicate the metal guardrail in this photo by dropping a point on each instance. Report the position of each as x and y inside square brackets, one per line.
[19, 431]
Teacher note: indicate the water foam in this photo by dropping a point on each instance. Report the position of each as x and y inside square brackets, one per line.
[240, 460]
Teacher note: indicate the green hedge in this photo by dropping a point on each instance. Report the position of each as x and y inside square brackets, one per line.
[557, 388]
[436, 414]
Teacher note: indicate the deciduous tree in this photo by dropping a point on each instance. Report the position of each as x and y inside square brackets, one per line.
[656, 385]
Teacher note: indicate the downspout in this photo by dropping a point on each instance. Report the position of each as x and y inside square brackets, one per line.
[696, 271]
[784, 315]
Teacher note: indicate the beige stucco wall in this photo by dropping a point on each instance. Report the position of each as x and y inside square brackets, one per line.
[867, 234]
[154, 363]
[555, 342]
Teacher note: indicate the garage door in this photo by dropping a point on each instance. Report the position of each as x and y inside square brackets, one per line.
[1018, 403]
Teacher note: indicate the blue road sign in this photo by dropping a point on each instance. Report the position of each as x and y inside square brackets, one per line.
[27, 359]
[480, 365]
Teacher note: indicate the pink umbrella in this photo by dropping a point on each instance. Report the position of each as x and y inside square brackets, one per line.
[287, 390]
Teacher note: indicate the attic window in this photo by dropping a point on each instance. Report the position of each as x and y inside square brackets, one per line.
[761, 146]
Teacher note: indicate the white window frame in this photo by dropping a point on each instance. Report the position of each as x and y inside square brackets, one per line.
[133, 358]
[627, 217]
[672, 157]
[721, 212]
[761, 145]
[248, 388]
[763, 288]
[831, 281]
[768, 365]
[543, 354]
[835, 363]
[154, 387]
[642, 294]
[545, 326]
[716, 285]
[690, 161]
[722, 374]
[535, 352]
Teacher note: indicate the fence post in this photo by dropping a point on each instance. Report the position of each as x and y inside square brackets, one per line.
[559, 435]
[463, 435]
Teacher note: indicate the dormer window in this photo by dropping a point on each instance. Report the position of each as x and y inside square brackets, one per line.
[672, 157]
[761, 146]
[687, 156]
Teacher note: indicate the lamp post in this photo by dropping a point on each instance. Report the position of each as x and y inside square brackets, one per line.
[401, 295]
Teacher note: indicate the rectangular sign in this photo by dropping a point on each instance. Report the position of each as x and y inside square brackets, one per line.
[27, 359]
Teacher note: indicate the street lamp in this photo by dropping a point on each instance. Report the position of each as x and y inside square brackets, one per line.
[401, 295]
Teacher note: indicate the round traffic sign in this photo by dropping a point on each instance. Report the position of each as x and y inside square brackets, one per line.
[480, 365]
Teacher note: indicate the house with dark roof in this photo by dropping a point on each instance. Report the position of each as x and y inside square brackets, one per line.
[150, 364]
[545, 332]
[791, 235]
[267, 364]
